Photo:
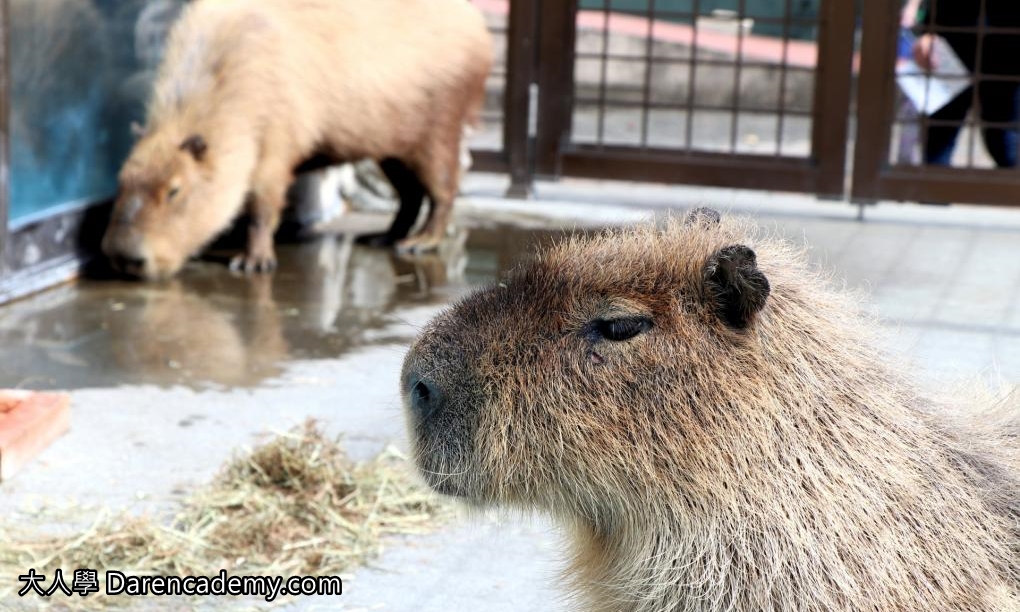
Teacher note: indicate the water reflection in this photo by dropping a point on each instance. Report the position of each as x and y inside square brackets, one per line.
[174, 332]
[209, 329]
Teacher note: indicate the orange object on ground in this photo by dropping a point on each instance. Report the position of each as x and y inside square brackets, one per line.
[29, 422]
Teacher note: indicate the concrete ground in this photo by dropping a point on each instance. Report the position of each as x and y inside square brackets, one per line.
[167, 380]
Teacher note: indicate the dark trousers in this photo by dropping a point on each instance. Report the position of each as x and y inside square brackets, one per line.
[1000, 103]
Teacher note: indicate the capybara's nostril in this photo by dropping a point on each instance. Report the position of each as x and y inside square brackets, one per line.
[425, 397]
[128, 264]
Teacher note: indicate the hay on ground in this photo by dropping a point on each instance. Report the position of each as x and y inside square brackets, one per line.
[295, 505]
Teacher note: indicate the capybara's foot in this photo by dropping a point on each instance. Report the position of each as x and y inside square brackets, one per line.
[416, 245]
[380, 240]
[250, 263]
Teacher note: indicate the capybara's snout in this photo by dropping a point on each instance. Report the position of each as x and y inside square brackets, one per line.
[124, 247]
[441, 406]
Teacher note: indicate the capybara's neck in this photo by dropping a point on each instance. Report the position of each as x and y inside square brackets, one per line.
[944, 553]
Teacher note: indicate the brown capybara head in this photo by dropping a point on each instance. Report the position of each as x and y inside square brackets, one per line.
[531, 391]
[164, 210]
[709, 420]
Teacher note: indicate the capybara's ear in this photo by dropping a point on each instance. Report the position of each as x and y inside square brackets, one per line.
[706, 217]
[137, 130]
[736, 286]
[195, 145]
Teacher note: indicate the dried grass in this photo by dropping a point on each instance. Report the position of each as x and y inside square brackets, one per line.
[295, 505]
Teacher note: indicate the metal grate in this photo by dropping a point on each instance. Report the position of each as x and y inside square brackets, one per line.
[688, 76]
[978, 127]
[895, 157]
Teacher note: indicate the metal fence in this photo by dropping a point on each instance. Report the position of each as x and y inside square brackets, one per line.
[752, 94]
[965, 149]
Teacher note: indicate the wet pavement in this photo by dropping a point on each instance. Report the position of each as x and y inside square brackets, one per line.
[210, 329]
[168, 379]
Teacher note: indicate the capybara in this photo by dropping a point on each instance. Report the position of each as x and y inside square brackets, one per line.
[710, 421]
[251, 89]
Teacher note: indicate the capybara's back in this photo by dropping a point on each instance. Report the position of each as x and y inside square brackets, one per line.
[710, 421]
[250, 89]
[339, 66]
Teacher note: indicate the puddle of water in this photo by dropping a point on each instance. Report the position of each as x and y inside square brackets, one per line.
[209, 329]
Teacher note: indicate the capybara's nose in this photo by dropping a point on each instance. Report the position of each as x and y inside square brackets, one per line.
[424, 396]
[124, 252]
[127, 264]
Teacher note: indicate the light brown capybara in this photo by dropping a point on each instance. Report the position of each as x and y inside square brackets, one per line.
[251, 89]
[711, 423]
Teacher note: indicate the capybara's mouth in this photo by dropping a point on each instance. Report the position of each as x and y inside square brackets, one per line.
[444, 476]
[129, 267]
[447, 485]
[439, 455]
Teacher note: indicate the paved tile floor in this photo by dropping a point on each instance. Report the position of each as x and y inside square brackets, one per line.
[167, 380]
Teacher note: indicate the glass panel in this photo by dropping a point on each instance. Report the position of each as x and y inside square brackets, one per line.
[80, 74]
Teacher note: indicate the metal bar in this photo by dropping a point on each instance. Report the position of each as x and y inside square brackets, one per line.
[832, 95]
[558, 31]
[684, 16]
[52, 250]
[603, 74]
[703, 61]
[522, 28]
[996, 187]
[875, 96]
[646, 93]
[487, 160]
[692, 76]
[783, 73]
[950, 123]
[718, 169]
[734, 124]
[973, 119]
[759, 110]
[978, 29]
[925, 120]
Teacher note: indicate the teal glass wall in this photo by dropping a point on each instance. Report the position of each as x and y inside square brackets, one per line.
[766, 13]
[80, 72]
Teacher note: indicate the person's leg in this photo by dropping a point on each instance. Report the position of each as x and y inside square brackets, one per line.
[1000, 103]
[940, 139]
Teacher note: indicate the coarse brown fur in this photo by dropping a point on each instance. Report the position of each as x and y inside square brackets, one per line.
[250, 89]
[746, 449]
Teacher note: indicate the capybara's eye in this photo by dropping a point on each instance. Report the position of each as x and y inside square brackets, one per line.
[623, 328]
[173, 192]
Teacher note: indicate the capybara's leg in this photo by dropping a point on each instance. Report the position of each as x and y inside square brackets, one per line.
[412, 195]
[268, 197]
[441, 178]
[435, 228]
